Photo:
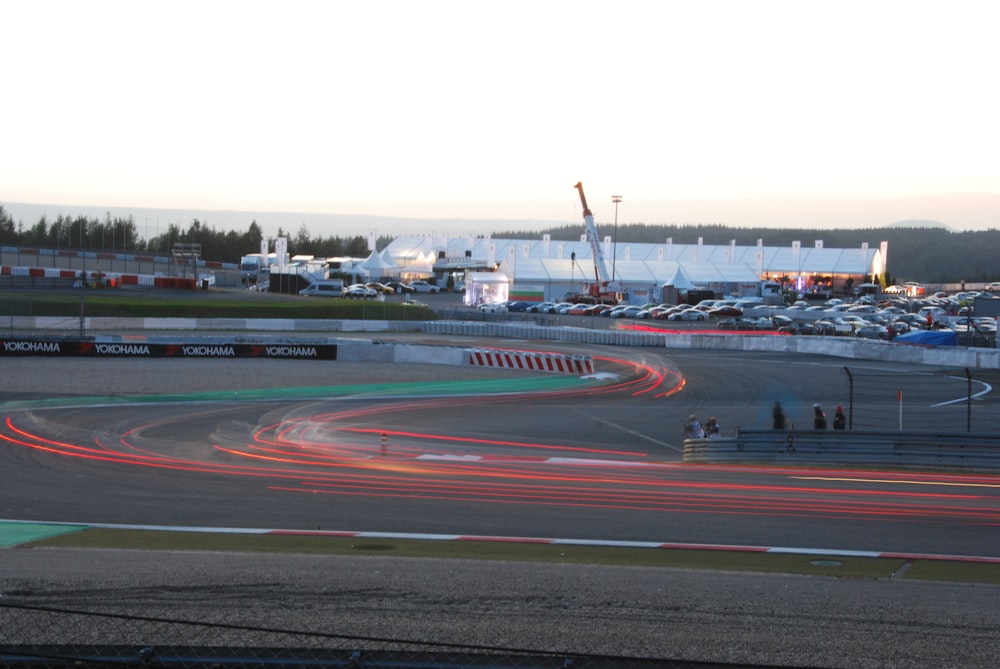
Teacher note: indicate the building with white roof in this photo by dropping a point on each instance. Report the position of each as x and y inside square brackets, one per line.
[646, 272]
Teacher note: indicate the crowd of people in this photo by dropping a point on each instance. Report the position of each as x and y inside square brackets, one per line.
[694, 429]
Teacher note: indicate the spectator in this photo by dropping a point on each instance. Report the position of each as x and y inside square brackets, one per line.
[778, 416]
[819, 418]
[712, 429]
[839, 419]
[693, 429]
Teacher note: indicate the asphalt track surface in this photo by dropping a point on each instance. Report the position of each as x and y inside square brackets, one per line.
[437, 449]
[185, 442]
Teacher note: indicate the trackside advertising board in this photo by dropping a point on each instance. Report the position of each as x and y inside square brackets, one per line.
[54, 347]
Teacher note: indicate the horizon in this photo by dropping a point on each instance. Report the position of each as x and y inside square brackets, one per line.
[770, 114]
[345, 225]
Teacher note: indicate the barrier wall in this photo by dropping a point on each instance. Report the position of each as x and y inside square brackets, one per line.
[850, 448]
[844, 347]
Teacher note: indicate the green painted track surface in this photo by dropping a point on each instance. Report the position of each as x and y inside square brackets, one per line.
[540, 384]
[14, 533]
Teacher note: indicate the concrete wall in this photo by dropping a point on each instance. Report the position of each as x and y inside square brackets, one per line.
[843, 347]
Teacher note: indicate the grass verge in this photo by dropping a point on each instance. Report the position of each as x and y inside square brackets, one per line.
[133, 304]
[713, 560]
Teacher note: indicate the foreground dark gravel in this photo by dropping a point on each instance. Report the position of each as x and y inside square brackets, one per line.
[622, 611]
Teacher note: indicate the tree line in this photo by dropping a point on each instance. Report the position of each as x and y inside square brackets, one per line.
[929, 254]
[121, 235]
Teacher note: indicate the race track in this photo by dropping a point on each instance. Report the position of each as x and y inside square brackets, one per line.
[433, 449]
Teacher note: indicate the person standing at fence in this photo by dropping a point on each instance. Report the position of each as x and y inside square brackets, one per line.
[839, 419]
[778, 417]
[819, 417]
[693, 428]
[712, 429]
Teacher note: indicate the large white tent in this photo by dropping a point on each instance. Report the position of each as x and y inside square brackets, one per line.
[642, 269]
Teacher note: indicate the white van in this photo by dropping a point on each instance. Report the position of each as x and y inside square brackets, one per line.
[331, 288]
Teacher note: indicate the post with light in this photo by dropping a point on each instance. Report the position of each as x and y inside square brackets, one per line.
[614, 253]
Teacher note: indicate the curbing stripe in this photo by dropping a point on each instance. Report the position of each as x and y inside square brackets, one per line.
[526, 540]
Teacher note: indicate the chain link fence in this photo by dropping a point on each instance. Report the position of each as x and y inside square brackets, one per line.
[916, 400]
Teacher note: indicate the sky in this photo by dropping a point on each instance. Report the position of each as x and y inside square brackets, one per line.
[439, 113]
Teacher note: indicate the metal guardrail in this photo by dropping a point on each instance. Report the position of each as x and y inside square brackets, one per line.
[901, 450]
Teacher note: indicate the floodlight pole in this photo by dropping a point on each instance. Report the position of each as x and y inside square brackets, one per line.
[614, 255]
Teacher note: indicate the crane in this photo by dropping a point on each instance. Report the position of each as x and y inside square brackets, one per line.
[603, 289]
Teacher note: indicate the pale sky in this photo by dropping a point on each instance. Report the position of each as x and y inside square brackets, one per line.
[744, 113]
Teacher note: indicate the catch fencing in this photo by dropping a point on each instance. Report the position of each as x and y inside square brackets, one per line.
[914, 400]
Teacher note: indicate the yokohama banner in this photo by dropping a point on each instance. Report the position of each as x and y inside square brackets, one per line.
[57, 347]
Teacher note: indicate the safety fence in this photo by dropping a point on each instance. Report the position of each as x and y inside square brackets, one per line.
[913, 399]
[899, 450]
[37, 636]
[527, 330]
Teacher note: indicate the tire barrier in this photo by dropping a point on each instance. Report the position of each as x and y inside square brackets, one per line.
[539, 362]
[965, 451]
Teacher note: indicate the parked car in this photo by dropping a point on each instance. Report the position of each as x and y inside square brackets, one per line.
[729, 324]
[630, 311]
[360, 291]
[651, 312]
[799, 328]
[324, 289]
[400, 287]
[664, 314]
[492, 308]
[422, 286]
[872, 332]
[782, 322]
[833, 327]
[380, 288]
[579, 309]
[691, 314]
[543, 308]
[725, 311]
[518, 305]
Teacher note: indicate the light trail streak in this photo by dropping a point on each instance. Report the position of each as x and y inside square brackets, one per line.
[958, 484]
[337, 453]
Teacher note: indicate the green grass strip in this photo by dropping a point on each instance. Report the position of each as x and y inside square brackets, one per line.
[135, 304]
[713, 560]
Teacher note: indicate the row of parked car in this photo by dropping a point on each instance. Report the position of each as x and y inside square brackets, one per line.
[666, 312]
[370, 290]
[861, 318]
[646, 311]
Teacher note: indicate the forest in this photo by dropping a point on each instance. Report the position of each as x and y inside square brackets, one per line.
[927, 254]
